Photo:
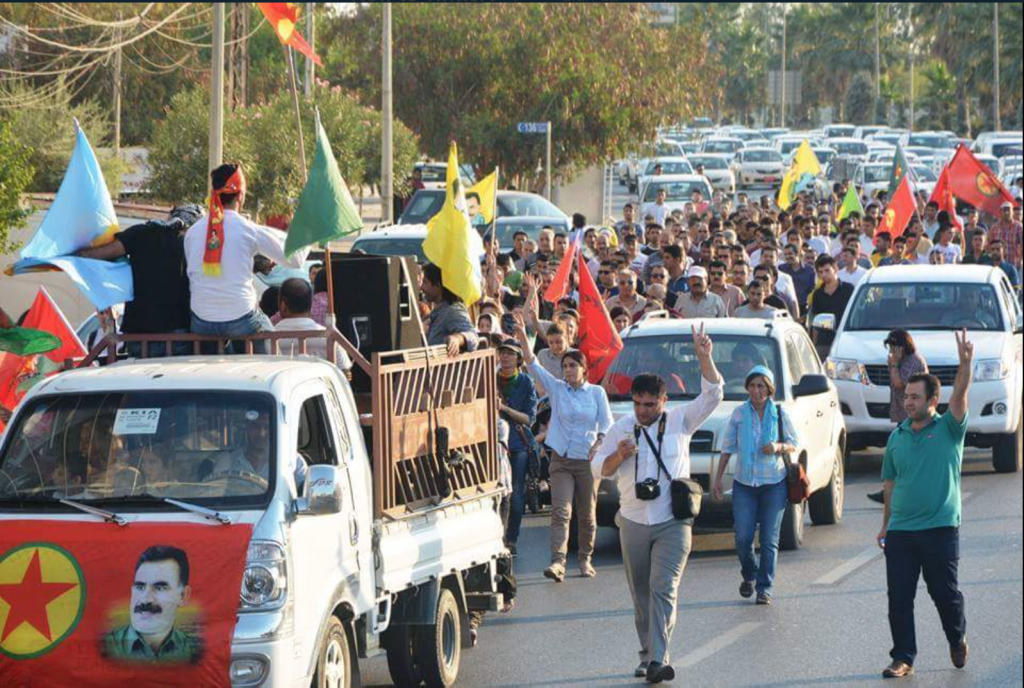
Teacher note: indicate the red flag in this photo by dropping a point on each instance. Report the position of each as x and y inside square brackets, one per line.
[943, 197]
[283, 17]
[599, 341]
[973, 182]
[560, 284]
[69, 591]
[46, 316]
[901, 208]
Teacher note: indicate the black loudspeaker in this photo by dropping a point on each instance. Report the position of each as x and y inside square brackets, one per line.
[375, 304]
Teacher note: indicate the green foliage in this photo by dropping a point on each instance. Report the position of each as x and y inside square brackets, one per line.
[860, 99]
[15, 175]
[940, 96]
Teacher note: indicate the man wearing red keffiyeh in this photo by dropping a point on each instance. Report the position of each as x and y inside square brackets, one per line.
[219, 251]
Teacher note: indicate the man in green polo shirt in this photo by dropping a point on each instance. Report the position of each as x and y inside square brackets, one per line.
[159, 587]
[921, 528]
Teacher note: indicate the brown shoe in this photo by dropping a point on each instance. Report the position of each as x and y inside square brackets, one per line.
[555, 572]
[958, 653]
[587, 569]
[898, 669]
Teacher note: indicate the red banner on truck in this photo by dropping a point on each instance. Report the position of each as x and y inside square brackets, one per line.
[97, 604]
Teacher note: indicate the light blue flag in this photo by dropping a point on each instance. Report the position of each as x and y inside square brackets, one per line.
[104, 283]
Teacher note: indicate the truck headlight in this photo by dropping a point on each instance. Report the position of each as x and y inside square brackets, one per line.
[990, 370]
[844, 369]
[265, 580]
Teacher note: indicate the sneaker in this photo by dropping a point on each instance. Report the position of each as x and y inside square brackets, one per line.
[877, 496]
[658, 672]
[473, 637]
[587, 569]
[512, 550]
[764, 598]
[555, 572]
[898, 669]
[641, 670]
[747, 589]
[958, 653]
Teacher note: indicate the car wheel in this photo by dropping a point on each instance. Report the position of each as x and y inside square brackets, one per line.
[334, 665]
[792, 535]
[402, 663]
[826, 505]
[1006, 453]
[439, 645]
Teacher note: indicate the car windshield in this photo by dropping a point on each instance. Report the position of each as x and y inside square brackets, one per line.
[932, 306]
[710, 162]
[850, 147]
[1004, 148]
[840, 131]
[508, 230]
[925, 174]
[432, 173]
[387, 246]
[675, 191]
[666, 148]
[673, 359]
[423, 206]
[526, 205]
[789, 146]
[670, 167]
[876, 174]
[722, 146]
[824, 155]
[213, 448]
[762, 156]
[929, 141]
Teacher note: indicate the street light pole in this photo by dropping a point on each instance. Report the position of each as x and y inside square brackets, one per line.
[547, 173]
[307, 82]
[996, 114]
[910, 28]
[387, 184]
[217, 88]
[878, 64]
[782, 76]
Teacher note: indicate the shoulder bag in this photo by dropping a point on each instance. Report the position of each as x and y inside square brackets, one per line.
[798, 485]
[686, 494]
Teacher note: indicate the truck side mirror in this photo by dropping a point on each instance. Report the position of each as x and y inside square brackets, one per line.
[810, 386]
[825, 321]
[322, 491]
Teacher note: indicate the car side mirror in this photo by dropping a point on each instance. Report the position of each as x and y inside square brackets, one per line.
[321, 494]
[1019, 329]
[825, 321]
[810, 386]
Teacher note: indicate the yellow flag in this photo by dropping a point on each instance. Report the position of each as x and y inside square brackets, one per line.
[801, 174]
[452, 244]
[485, 189]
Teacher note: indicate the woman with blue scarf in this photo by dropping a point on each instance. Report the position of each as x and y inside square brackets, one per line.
[759, 493]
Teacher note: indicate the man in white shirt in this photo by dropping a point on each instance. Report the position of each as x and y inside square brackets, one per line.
[658, 210]
[630, 454]
[223, 298]
[294, 301]
[852, 272]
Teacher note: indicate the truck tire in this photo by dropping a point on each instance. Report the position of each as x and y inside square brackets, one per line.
[438, 647]
[1006, 453]
[826, 505]
[792, 535]
[334, 665]
[402, 664]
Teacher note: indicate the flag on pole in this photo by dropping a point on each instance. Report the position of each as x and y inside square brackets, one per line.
[325, 210]
[22, 341]
[972, 182]
[598, 340]
[901, 208]
[284, 17]
[851, 204]
[943, 197]
[487, 190]
[45, 315]
[559, 287]
[452, 244]
[804, 168]
[900, 169]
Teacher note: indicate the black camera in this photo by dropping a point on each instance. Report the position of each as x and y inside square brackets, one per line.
[648, 490]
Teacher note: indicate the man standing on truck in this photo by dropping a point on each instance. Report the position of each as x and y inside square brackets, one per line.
[449, 324]
[219, 250]
[156, 251]
[294, 302]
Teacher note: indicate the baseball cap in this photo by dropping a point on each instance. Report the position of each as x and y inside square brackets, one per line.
[1006, 204]
[697, 271]
[763, 371]
[510, 345]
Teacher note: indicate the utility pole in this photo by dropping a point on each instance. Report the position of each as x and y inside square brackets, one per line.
[878, 64]
[217, 88]
[547, 172]
[782, 76]
[117, 96]
[387, 181]
[996, 114]
[910, 28]
[310, 66]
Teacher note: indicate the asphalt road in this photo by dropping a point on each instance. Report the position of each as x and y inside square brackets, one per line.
[827, 626]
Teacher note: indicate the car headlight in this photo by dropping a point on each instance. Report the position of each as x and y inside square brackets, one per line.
[265, 581]
[991, 369]
[844, 369]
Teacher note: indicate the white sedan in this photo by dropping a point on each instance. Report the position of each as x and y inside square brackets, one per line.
[717, 169]
[754, 166]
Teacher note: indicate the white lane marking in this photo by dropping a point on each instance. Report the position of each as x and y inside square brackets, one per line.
[720, 643]
[854, 563]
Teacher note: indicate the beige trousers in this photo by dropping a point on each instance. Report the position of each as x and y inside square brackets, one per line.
[572, 483]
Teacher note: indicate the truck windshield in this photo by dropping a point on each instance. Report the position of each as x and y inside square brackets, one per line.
[216, 448]
[673, 359]
[926, 307]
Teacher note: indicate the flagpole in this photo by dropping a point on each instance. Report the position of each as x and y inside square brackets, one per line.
[494, 212]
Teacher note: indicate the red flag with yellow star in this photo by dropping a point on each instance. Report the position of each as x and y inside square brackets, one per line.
[284, 17]
[98, 604]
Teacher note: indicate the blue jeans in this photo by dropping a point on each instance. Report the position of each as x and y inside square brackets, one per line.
[159, 349]
[753, 506]
[251, 323]
[520, 461]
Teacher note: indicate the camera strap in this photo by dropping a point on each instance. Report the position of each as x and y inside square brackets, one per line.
[637, 430]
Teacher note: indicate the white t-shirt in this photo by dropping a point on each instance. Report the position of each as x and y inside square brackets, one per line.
[232, 294]
[660, 212]
[952, 252]
[854, 277]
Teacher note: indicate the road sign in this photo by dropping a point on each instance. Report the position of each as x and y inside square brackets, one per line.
[532, 127]
[794, 87]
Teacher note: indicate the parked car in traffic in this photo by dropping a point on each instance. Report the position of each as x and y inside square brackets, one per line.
[717, 169]
[758, 166]
[678, 189]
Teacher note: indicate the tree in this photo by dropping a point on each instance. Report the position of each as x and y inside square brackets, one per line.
[15, 174]
[940, 95]
[860, 99]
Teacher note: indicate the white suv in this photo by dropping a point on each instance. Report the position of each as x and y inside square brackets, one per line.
[665, 347]
[930, 302]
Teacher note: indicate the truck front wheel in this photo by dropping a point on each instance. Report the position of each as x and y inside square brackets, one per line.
[334, 665]
[1006, 453]
[438, 646]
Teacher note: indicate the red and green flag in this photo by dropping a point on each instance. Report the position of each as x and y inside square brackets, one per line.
[900, 169]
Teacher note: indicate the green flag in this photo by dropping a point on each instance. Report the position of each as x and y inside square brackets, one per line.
[22, 341]
[851, 204]
[325, 211]
[900, 168]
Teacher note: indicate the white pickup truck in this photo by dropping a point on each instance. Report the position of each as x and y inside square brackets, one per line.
[350, 555]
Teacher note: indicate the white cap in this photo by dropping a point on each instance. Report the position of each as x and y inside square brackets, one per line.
[697, 271]
[1007, 204]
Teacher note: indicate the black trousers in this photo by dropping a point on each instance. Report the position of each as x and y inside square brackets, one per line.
[934, 553]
